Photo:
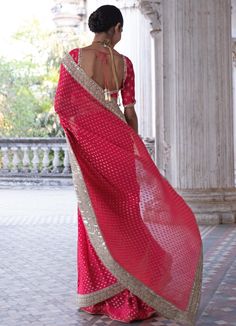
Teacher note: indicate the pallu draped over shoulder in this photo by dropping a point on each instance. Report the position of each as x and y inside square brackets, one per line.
[139, 246]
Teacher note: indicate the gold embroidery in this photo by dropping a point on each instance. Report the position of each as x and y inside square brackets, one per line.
[125, 70]
[85, 300]
[196, 290]
[79, 57]
[162, 306]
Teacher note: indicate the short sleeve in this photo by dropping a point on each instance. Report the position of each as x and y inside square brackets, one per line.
[128, 90]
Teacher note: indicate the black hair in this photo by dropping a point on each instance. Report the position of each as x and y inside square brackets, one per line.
[105, 17]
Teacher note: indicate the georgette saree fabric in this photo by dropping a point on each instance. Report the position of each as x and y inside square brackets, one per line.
[139, 246]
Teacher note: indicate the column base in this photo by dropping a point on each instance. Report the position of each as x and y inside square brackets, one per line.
[211, 206]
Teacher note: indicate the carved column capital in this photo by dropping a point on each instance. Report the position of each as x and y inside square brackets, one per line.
[122, 4]
[152, 10]
[69, 13]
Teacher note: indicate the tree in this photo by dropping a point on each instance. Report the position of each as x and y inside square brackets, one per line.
[27, 85]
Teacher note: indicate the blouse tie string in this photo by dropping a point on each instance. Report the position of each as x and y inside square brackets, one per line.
[107, 93]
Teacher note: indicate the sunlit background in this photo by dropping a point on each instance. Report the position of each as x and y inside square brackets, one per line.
[33, 37]
[16, 15]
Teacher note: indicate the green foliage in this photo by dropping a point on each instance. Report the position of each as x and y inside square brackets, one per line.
[27, 86]
[49, 122]
[18, 104]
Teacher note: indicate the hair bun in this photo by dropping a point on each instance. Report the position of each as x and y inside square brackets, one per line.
[94, 15]
[96, 23]
[104, 18]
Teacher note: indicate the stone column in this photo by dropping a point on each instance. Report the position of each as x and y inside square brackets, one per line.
[69, 18]
[69, 14]
[234, 98]
[194, 120]
[153, 11]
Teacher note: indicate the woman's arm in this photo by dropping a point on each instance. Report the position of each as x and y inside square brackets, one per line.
[131, 118]
[128, 95]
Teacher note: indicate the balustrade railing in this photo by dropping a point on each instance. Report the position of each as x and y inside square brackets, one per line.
[34, 156]
[39, 158]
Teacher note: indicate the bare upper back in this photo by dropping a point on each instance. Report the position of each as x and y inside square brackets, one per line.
[96, 62]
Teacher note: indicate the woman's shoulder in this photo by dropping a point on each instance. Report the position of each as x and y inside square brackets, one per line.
[126, 58]
[128, 62]
[74, 53]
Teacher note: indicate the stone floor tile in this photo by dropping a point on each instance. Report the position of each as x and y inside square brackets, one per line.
[38, 265]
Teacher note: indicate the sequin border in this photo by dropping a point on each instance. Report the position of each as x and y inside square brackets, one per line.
[85, 300]
[90, 85]
[161, 305]
[79, 56]
[125, 70]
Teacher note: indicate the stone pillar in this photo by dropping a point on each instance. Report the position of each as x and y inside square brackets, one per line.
[69, 14]
[153, 11]
[234, 98]
[233, 30]
[194, 120]
[69, 18]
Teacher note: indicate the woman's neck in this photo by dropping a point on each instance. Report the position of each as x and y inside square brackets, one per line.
[103, 38]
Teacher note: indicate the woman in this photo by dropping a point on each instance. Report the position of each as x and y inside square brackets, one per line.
[139, 247]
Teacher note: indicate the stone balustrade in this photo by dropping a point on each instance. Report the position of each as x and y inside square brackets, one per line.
[39, 160]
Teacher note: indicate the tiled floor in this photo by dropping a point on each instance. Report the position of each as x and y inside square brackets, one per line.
[38, 234]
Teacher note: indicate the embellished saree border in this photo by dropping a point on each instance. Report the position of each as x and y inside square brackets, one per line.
[85, 300]
[161, 305]
[90, 85]
[125, 69]
[196, 289]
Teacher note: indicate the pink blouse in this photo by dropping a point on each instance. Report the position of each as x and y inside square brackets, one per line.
[128, 90]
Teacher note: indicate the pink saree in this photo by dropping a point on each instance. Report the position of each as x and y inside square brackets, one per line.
[139, 247]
